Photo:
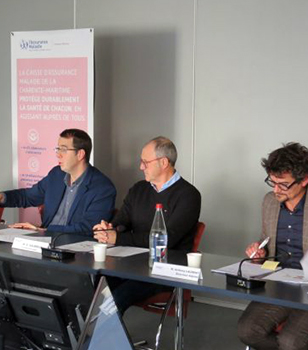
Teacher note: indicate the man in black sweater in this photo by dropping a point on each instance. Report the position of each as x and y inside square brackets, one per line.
[132, 224]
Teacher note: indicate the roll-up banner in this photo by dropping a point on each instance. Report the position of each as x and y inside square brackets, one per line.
[52, 90]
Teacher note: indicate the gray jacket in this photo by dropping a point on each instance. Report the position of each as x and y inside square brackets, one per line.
[270, 214]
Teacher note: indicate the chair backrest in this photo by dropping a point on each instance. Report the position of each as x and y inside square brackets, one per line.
[1, 212]
[200, 228]
[40, 209]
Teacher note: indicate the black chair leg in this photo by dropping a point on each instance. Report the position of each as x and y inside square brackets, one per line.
[140, 345]
[162, 319]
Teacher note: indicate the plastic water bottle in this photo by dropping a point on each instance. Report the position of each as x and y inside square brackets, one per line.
[158, 239]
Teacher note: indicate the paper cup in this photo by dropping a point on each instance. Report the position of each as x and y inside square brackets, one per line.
[194, 259]
[100, 250]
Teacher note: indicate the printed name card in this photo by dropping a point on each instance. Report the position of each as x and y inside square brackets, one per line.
[177, 271]
[30, 245]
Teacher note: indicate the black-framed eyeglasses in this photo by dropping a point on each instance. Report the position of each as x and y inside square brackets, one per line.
[63, 150]
[282, 186]
[145, 163]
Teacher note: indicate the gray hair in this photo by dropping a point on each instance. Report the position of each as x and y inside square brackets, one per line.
[165, 148]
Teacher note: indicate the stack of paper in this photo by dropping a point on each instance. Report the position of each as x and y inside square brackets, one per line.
[87, 247]
[288, 276]
[249, 270]
[8, 235]
[256, 271]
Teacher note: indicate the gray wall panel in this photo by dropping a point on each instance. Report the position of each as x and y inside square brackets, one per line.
[144, 61]
[251, 69]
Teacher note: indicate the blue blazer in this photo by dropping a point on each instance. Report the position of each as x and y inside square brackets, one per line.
[94, 201]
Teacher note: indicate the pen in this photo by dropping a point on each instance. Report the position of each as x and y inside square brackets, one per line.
[104, 229]
[261, 245]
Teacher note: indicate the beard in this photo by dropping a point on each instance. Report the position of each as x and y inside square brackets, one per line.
[281, 197]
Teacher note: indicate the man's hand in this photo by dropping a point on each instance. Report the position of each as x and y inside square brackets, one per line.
[104, 233]
[2, 197]
[27, 226]
[260, 253]
[104, 225]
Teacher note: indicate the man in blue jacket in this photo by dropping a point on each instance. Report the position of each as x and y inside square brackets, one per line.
[75, 195]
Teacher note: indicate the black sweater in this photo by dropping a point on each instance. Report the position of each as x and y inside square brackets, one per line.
[181, 207]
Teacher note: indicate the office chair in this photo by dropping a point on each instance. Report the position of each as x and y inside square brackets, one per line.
[1, 212]
[164, 303]
[40, 209]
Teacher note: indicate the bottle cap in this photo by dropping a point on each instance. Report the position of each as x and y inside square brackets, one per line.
[159, 206]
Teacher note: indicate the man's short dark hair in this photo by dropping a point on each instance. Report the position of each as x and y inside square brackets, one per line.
[291, 158]
[81, 140]
[165, 148]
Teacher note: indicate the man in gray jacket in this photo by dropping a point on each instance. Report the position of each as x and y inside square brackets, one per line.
[285, 221]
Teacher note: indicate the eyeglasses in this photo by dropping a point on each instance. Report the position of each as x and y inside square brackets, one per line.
[63, 150]
[145, 163]
[282, 186]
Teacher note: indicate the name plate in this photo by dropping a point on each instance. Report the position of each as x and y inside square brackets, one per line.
[30, 245]
[177, 271]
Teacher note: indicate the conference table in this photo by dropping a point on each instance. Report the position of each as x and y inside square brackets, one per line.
[136, 268]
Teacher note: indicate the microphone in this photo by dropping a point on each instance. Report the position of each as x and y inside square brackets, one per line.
[55, 238]
[55, 253]
[62, 254]
[251, 282]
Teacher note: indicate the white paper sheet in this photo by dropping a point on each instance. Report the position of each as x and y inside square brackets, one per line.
[288, 276]
[87, 246]
[249, 270]
[84, 246]
[8, 234]
[15, 231]
[125, 251]
[304, 263]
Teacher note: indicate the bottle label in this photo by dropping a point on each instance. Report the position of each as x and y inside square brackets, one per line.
[161, 253]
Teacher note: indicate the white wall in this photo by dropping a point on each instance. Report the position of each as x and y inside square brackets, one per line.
[144, 60]
[225, 79]
[251, 87]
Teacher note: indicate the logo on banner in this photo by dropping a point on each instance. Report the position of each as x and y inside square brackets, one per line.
[24, 45]
[33, 164]
[33, 45]
[33, 136]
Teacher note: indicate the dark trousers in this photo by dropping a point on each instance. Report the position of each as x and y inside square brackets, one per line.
[128, 292]
[256, 327]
